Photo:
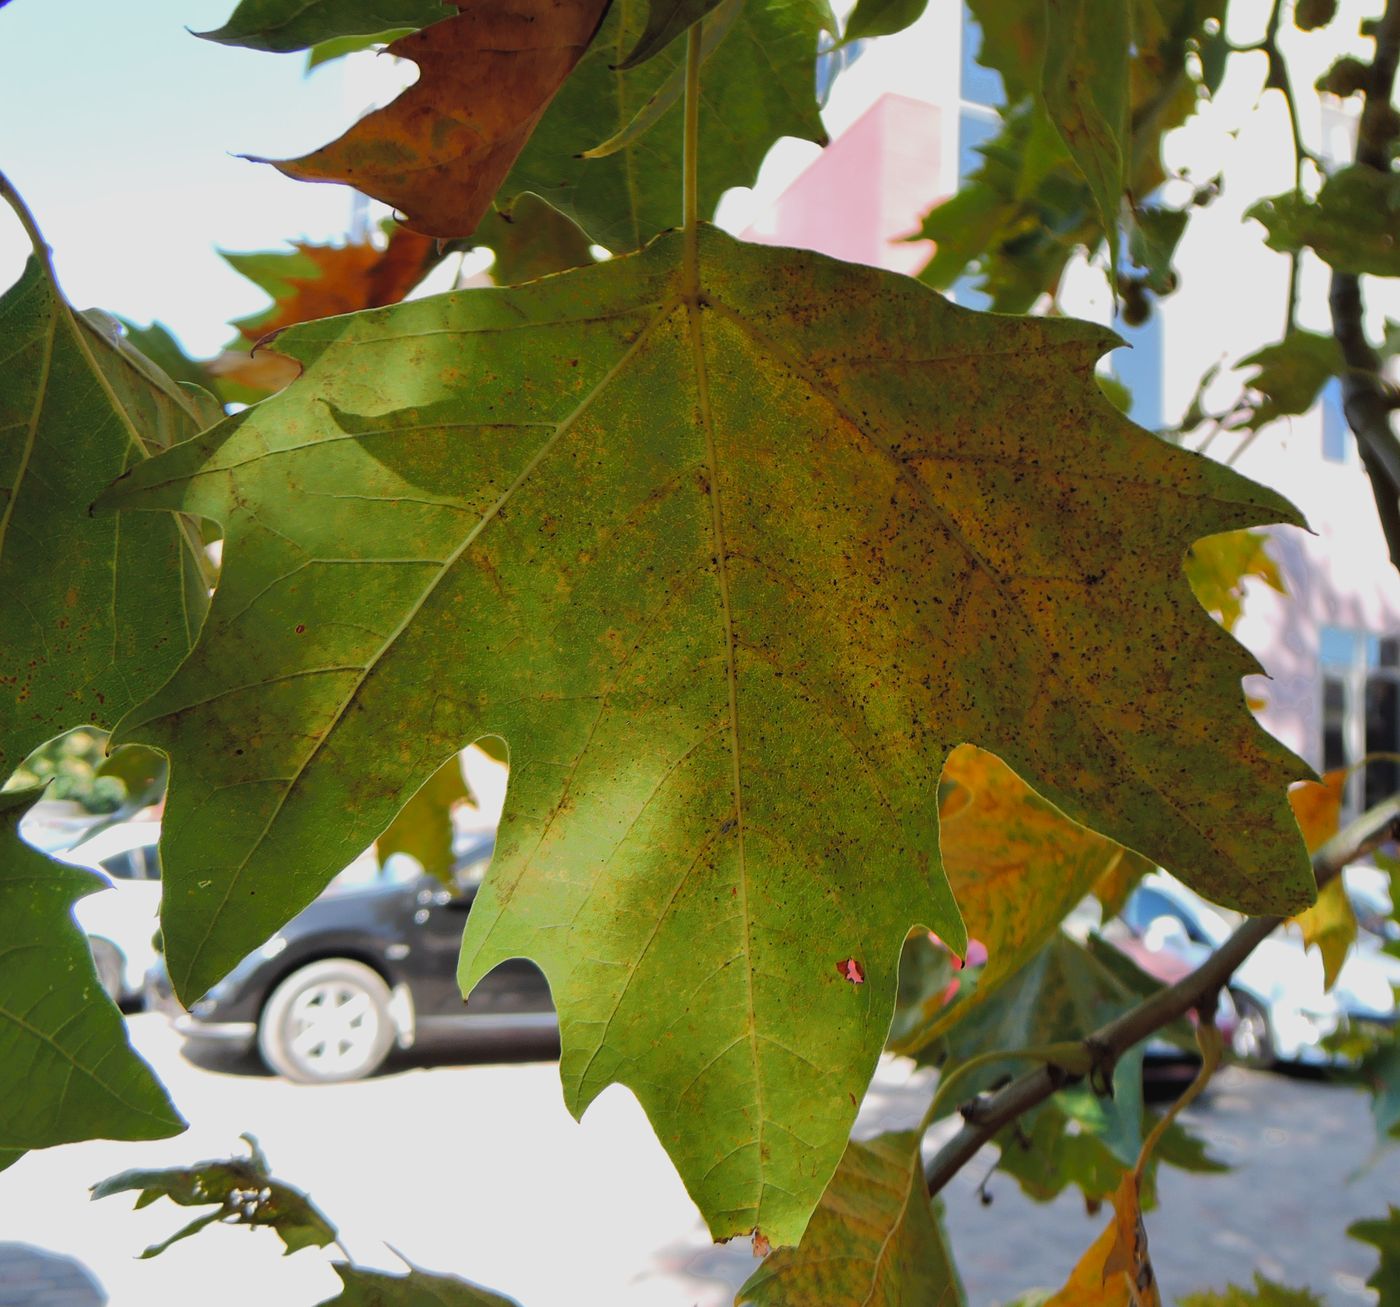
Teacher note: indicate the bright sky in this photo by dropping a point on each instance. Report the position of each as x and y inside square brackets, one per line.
[121, 129]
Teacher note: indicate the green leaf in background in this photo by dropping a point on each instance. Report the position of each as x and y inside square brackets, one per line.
[875, 1238]
[423, 828]
[1024, 212]
[242, 1191]
[416, 1289]
[1265, 1293]
[574, 514]
[1154, 232]
[97, 612]
[1384, 1234]
[1218, 567]
[1290, 374]
[1380, 1071]
[324, 52]
[1084, 86]
[882, 17]
[1353, 224]
[1063, 992]
[282, 25]
[66, 1069]
[758, 85]
[534, 240]
[666, 20]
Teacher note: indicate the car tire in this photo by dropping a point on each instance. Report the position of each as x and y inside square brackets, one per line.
[328, 1021]
[107, 959]
[1252, 1040]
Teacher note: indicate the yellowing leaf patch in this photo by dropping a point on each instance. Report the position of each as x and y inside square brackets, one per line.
[732, 571]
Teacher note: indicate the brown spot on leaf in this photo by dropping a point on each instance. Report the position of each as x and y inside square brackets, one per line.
[851, 970]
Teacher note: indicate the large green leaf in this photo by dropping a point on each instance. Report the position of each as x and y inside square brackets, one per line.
[66, 1069]
[416, 1289]
[693, 558]
[241, 1191]
[282, 25]
[875, 1238]
[98, 611]
[758, 85]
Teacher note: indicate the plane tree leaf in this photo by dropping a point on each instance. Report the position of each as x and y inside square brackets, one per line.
[1289, 375]
[757, 85]
[1384, 1234]
[318, 281]
[418, 1288]
[1219, 566]
[241, 1190]
[423, 828]
[1352, 224]
[1016, 866]
[875, 1238]
[66, 1069]
[533, 240]
[576, 514]
[439, 151]
[1084, 86]
[1116, 1271]
[666, 20]
[1330, 924]
[97, 612]
[1265, 1293]
[283, 25]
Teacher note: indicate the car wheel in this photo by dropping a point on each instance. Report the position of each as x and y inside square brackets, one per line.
[108, 960]
[1252, 1041]
[328, 1021]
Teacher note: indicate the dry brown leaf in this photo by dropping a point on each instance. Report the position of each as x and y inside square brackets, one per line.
[348, 278]
[441, 150]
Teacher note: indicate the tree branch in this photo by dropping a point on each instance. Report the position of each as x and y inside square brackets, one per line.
[1366, 400]
[984, 1117]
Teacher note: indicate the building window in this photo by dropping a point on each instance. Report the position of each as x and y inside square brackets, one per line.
[979, 85]
[1336, 435]
[1361, 710]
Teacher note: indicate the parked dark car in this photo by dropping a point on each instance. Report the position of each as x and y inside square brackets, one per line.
[362, 969]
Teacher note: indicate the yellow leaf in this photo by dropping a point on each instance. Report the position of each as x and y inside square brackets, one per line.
[1116, 1271]
[1016, 863]
[1330, 923]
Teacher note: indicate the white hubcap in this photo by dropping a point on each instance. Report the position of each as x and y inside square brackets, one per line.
[332, 1027]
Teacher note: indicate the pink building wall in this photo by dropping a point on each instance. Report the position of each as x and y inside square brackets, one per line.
[867, 189]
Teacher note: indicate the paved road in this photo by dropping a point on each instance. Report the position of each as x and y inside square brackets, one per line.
[479, 1170]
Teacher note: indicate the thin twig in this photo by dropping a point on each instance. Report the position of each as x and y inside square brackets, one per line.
[1110, 1041]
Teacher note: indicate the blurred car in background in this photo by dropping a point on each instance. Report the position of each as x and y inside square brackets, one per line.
[1278, 1009]
[369, 965]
